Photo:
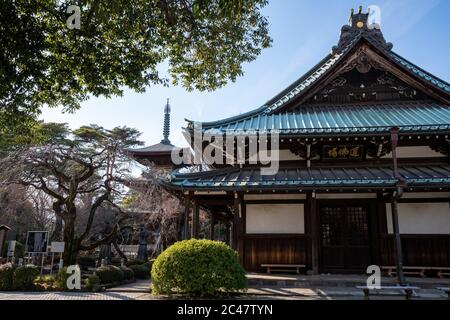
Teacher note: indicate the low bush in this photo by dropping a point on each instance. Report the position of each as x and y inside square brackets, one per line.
[61, 279]
[46, 283]
[24, 277]
[6, 277]
[116, 261]
[109, 274]
[132, 262]
[149, 264]
[140, 271]
[91, 281]
[198, 268]
[128, 274]
[86, 262]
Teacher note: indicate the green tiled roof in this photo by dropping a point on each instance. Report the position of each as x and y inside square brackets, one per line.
[296, 89]
[304, 178]
[361, 118]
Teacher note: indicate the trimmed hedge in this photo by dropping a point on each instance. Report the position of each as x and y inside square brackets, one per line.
[109, 274]
[128, 274]
[86, 262]
[198, 268]
[134, 262]
[140, 271]
[24, 277]
[116, 261]
[91, 281]
[6, 277]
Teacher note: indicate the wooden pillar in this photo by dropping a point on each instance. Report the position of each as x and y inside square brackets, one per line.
[227, 233]
[187, 209]
[394, 207]
[314, 231]
[377, 213]
[236, 223]
[398, 243]
[212, 226]
[195, 220]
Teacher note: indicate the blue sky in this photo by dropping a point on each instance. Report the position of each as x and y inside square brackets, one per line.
[303, 32]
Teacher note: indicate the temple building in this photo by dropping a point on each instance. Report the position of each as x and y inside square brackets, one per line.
[364, 172]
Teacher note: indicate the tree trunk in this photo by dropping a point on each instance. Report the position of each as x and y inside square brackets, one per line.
[57, 232]
[71, 245]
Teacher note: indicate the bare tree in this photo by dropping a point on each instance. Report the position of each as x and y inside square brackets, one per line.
[159, 211]
[92, 165]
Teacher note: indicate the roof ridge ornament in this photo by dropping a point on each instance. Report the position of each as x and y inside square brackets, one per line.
[364, 25]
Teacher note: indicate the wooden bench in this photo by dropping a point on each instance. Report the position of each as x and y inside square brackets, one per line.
[446, 290]
[282, 267]
[442, 271]
[407, 290]
[414, 270]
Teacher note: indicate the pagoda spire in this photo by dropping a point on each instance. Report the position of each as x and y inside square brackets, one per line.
[166, 129]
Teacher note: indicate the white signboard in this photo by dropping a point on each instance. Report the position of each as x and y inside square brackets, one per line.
[11, 248]
[57, 247]
[37, 241]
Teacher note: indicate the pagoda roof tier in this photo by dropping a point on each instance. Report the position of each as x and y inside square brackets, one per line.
[323, 178]
[335, 119]
[159, 148]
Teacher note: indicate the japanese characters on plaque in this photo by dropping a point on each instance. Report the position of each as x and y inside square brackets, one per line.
[343, 152]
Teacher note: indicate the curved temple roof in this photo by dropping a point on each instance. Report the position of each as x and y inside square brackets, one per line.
[355, 118]
[351, 36]
[310, 178]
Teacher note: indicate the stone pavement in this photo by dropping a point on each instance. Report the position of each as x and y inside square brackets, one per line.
[335, 293]
[140, 291]
[72, 296]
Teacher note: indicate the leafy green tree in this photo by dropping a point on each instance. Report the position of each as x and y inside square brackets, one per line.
[120, 44]
[70, 165]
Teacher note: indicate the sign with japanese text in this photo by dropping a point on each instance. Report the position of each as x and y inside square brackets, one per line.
[343, 152]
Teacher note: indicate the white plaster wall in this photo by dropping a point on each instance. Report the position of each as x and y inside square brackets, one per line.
[275, 218]
[421, 218]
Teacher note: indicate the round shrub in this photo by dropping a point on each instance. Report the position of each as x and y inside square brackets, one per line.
[86, 262]
[134, 262]
[128, 274]
[6, 277]
[198, 268]
[91, 281]
[24, 277]
[116, 261]
[109, 274]
[140, 271]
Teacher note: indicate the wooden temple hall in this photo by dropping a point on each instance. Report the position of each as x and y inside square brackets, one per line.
[364, 172]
